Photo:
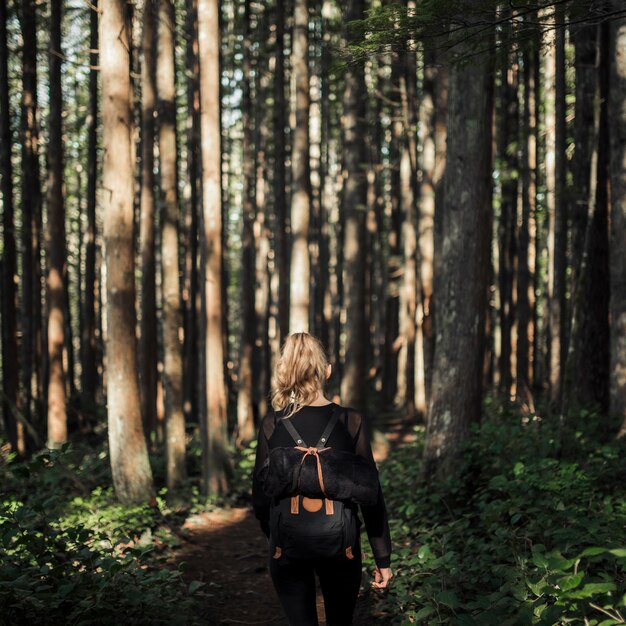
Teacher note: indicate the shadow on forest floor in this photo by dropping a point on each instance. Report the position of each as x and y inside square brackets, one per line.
[226, 550]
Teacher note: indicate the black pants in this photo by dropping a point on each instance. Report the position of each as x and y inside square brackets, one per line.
[340, 580]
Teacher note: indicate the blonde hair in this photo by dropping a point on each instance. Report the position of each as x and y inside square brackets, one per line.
[300, 372]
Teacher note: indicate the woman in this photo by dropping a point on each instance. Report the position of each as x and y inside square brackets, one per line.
[298, 394]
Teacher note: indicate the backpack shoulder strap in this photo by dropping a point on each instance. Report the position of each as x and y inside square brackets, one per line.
[334, 417]
[291, 429]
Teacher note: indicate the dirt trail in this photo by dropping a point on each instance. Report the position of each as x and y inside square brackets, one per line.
[226, 550]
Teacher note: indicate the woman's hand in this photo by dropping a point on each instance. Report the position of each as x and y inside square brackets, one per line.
[382, 576]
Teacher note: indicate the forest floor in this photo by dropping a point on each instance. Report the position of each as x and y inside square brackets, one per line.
[225, 549]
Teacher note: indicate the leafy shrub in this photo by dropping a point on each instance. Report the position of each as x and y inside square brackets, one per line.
[521, 535]
[62, 560]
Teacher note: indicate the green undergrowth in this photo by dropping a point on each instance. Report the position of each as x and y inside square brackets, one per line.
[523, 534]
[70, 553]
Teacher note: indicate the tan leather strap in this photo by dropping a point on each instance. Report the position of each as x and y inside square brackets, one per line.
[314, 452]
[295, 504]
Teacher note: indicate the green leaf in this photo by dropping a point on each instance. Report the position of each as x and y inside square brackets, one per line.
[593, 551]
[194, 585]
[538, 587]
[571, 582]
[424, 552]
[449, 598]
[620, 552]
[425, 612]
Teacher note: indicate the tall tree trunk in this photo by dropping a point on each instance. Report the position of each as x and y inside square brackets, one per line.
[245, 404]
[558, 221]
[586, 370]
[10, 382]
[507, 146]
[426, 228]
[395, 269]
[168, 162]
[301, 177]
[89, 362]
[132, 476]
[280, 202]
[457, 377]
[148, 328]
[585, 42]
[526, 256]
[408, 179]
[353, 385]
[31, 216]
[57, 410]
[441, 114]
[617, 258]
[216, 464]
[193, 206]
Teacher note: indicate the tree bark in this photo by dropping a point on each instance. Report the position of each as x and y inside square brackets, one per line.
[10, 382]
[89, 362]
[31, 215]
[301, 176]
[353, 387]
[526, 243]
[148, 328]
[586, 370]
[426, 228]
[57, 410]
[168, 162]
[457, 378]
[507, 146]
[558, 220]
[245, 405]
[280, 202]
[192, 199]
[395, 269]
[216, 465]
[132, 476]
[617, 255]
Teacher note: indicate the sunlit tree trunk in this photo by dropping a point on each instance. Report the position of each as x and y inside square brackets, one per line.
[148, 326]
[617, 258]
[216, 465]
[507, 147]
[57, 412]
[457, 382]
[132, 476]
[526, 239]
[353, 382]
[557, 232]
[172, 348]
[301, 178]
[408, 188]
[245, 408]
[394, 269]
[425, 339]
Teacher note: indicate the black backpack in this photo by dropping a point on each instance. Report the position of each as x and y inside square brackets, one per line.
[302, 527]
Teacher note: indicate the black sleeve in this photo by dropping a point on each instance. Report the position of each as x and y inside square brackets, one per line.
[375, 515]
[261, 502]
